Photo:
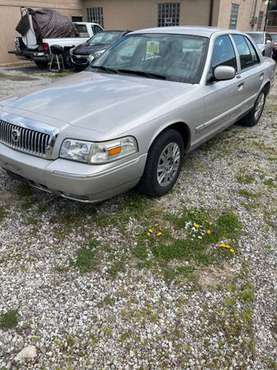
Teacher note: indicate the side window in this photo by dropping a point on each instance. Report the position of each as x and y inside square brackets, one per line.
[247, 59]
[253, 51]
[96, 29]
[224, 53]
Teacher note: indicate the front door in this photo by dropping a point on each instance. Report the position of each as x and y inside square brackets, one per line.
[221, 97]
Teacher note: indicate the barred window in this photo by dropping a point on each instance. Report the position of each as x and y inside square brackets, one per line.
[96, 15]
[168, 14]
[260, 21]
[234, 16]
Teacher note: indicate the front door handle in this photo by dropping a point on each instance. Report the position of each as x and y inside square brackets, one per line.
[261, 76]
[241, 86]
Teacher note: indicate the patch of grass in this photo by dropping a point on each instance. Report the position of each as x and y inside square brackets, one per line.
[14, 77]
[246, 294]
[245, 179]
[3, 213]
[250, 206]
[134, 206]
[24, 190]
[228, 226]
[267, 149]
[183, 249]
[108, 301]
[31, 220]
[180, 272]
[201, 245]
[270, 183]
[117, 267]
[247, 194]
[86, 258]
[140, 252]
[199, 216]
[9, 320]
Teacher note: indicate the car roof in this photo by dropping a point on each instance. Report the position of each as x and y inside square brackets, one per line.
[122, 31]
[260, 32]
[189, 30]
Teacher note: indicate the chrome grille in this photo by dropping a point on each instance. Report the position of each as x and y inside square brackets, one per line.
[24, 139]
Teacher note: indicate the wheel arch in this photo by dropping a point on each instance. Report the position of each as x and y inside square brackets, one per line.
[266, 87]
[182, 128]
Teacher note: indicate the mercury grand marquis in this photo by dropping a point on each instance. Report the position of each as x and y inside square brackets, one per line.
[128, 120]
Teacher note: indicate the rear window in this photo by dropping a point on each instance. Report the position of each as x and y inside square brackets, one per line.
[82, 30]
[247, 53]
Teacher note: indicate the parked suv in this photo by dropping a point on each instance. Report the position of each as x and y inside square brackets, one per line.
[263, 41]
[85, 53]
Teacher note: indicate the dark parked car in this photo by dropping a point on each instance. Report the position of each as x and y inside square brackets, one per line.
[274, 41]
[85, 53]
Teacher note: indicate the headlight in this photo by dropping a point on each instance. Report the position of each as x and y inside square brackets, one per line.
[97, 153]
[91, 58]
[98, 53]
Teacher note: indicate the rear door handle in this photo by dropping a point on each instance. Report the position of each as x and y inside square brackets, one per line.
[241, 86]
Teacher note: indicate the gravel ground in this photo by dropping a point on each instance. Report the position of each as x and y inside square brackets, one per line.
[87, 286]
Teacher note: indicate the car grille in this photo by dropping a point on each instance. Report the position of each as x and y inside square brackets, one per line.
[24, 139]
[79, 60]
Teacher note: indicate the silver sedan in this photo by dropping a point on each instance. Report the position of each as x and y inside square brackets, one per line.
[131, 117]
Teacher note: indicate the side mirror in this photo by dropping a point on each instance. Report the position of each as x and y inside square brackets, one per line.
[268, 42]
[222, 73]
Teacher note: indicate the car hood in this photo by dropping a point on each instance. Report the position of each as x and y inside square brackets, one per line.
[101, 102]
[86, 49]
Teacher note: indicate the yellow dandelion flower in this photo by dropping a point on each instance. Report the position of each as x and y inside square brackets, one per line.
[150, 231]
[159, 233]
[209, 232]
[196, 226]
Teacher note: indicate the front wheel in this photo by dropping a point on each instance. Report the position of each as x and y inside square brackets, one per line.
[163, 164]
[253, 117]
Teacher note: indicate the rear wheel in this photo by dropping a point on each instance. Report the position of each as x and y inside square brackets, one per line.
[253, 117]
[163, 164]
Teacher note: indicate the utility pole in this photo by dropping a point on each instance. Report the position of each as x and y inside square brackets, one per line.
[266, 14]
[211, 12]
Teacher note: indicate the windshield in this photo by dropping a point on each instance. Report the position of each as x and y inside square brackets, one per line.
[274, 36]
[166, 56]
[257, 37]
[104, 38]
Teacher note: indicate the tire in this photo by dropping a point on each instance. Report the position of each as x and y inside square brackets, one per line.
[166, 150]
[253, 117]
[41, 65]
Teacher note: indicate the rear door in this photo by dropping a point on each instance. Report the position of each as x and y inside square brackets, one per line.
[251, 72]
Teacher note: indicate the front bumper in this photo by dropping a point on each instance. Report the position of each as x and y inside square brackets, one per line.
[73, 180]
[79, 60]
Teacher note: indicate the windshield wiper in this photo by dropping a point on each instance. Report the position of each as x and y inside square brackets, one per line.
[142, 73]
[104, 69]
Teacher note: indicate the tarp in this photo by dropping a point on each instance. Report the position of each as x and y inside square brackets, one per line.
[48, 23]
